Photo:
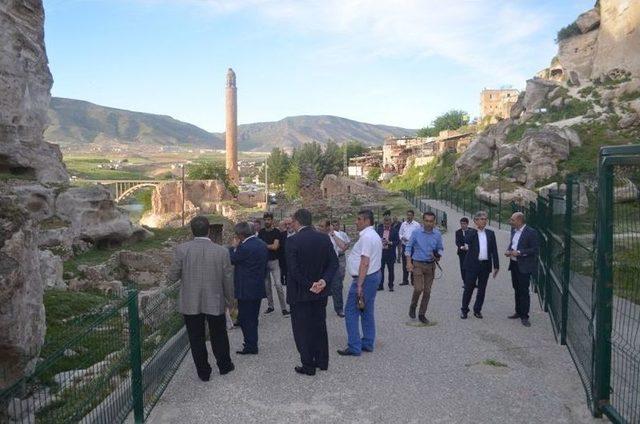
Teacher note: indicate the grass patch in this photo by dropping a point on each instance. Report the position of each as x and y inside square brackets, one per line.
[87, 168]
[494, 363]
[571, 109]
[629, 96]
[584, 159]
[626, 269]
[96, 256]
[516, 132]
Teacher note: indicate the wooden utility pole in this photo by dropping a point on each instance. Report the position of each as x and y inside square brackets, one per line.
[182, 166]
[266, 185]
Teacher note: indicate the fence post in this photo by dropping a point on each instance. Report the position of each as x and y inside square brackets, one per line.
[604, 289]
[135, 358]
[566, 268]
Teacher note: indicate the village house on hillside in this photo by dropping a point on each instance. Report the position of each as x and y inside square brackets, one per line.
[496, 104]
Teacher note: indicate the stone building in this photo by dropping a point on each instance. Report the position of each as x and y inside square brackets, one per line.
[361, 165]
[497, 103]
[396, 151]
[333, 185]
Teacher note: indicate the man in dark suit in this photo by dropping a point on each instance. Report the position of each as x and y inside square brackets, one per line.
[481, 258]
[390, 241]
[249, 255]
[523, 261]
[311, 265]
[462, 249]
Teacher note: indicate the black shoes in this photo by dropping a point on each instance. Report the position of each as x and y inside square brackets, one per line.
[423, 319]
[269, 310]
[463, 315]
[380, 288]
[412, 312]
[514, 316]
[205, 377]
[478, 315]
[246, 351]
[285, 312]
[390, 289]
[525, 322]
[404, 283]
[346, 352]
[305, 371]
[366, 349]
[227, 370]
[340, 314]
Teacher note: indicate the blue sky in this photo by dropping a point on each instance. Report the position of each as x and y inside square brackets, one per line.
[394, 62]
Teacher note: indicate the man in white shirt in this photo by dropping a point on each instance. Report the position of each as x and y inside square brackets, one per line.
[480, 260]
[363, 264]
[406, 229]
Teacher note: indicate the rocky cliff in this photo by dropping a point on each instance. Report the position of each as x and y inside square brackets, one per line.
[589, 96]
[25, 83]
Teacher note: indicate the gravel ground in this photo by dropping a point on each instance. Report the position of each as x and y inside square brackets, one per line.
[475, 371]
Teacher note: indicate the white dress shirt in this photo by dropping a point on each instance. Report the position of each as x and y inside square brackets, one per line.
[516, 240]
[370, 245]
[483, 253]
[336, 234]
[407, 228]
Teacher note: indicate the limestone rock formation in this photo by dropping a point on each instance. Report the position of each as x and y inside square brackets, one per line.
[51, 270]
[25, 82]
[482, 148]
[22, 317]
[536, 95]
[540, 150]
[93, 215]
[520, 196]
[609, 37]
[202, 194]
[619, 37]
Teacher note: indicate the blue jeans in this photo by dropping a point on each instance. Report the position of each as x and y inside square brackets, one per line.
[353, 316]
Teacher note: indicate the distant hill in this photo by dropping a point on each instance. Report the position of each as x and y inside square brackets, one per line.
[76, 123]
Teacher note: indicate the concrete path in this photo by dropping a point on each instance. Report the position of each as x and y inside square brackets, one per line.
[438, 374]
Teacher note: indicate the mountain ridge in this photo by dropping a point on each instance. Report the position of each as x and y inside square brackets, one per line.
[77, 123]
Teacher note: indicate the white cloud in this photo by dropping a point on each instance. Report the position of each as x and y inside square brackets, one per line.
[491, 37]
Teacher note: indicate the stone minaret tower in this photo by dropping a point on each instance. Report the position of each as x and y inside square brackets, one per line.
[232, 127]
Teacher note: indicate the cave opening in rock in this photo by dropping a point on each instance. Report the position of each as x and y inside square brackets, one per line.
[8, 167]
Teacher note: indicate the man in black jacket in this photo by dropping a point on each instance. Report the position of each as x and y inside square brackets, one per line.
[390, 241]
[481, 258]
[462, 249]
[311, 265]
[523, 260]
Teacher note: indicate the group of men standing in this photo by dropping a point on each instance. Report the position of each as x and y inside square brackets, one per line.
[312, 264]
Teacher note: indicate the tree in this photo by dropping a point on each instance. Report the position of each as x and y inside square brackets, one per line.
[209, 170]
[353, 148]
[331, 160]
[292, 183]
[310, 155]
[451, 120]
[374, 174]
[278, 163]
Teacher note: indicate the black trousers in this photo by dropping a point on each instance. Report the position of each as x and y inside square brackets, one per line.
[248, 313]
[481, 276]
[388, 261]
[219, 342]
[309, 324]
[405, 273]
[520, 283]
[283, 273]
[461, 259]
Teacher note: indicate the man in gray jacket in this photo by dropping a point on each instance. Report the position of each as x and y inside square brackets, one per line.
[207, 288]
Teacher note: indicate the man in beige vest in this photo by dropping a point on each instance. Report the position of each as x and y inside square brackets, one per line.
[207, 289]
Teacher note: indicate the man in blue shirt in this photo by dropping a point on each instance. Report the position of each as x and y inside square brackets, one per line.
[426, 245]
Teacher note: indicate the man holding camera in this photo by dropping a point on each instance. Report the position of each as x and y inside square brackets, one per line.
[422, 252]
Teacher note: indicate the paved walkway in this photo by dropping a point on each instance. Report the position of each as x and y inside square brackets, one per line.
[432, 374]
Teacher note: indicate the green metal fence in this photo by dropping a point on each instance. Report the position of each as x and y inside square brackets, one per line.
[588, 275]
[416, 198]
[120, 361]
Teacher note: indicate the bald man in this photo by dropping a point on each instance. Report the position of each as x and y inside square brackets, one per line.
[523, 261]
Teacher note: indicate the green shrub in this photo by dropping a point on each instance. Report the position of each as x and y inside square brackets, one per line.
[569, 31]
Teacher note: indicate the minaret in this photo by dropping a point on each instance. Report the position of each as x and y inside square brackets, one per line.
[232, 127]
